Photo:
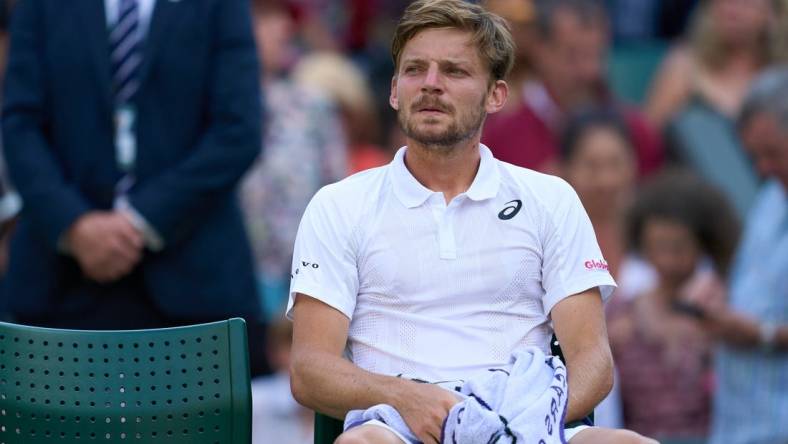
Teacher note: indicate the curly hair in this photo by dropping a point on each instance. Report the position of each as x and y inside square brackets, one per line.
[681, 196]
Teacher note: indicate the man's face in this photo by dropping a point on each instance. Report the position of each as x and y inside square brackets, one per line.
[767, 142]
[571, 61]
[441, 90]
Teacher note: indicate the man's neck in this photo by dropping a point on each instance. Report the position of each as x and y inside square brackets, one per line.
[450, 171]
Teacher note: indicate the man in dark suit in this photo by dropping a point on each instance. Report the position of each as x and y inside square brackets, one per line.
[127, 124]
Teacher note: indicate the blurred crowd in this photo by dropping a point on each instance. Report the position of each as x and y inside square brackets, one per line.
[638, 104]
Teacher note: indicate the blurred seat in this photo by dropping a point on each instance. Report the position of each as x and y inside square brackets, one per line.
[172, 385]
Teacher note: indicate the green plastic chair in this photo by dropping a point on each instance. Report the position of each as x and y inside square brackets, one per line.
[327, 429]
[171, 385]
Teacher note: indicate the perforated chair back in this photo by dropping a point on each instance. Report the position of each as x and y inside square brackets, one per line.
[172, 385]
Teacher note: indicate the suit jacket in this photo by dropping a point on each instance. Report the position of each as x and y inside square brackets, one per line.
[198, 129]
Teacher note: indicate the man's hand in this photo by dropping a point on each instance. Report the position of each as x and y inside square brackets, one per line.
[321, 379]
[105, 244]
[424, 407]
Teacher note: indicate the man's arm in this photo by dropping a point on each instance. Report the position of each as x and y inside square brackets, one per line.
[708, 294]
[742, 331]
[321, 379]
[51, 203]
[579, 324]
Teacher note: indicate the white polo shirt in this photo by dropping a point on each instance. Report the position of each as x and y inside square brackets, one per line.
[441, 291]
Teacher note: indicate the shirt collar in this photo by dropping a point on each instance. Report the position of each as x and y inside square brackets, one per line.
[413, 194]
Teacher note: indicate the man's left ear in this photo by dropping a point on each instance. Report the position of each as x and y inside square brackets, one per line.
[496, 98]
[393, 99]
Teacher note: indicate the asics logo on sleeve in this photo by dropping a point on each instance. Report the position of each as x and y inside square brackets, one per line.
[510, 210]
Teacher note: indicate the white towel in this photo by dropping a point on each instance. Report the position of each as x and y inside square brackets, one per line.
[524, 405]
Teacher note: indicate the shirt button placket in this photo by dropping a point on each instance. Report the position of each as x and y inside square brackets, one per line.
[448, 247]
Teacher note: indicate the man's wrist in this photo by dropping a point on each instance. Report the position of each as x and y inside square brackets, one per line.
[66, 240]
[152, 238]
[396, 390]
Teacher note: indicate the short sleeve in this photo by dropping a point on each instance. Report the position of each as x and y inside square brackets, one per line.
[324, 260]
[572, 260]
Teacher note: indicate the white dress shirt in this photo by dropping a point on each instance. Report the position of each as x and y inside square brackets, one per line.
[145, 9]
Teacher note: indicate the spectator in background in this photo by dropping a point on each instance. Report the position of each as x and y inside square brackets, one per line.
[569, 60]
[521, 16]
[701, 84]
[126, 132]
[598, 160]
[346, 85]
[318, 22]
[680, 225]
[751, 403]
[729, 43]
[304, 149]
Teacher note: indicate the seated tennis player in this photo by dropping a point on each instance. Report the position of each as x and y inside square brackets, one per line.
[446, 262]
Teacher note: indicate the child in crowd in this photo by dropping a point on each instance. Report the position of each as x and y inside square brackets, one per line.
[686, 230]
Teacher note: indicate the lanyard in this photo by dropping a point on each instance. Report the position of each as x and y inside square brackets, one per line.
[125, 137]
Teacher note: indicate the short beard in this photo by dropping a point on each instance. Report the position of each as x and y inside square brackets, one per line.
[444, 141]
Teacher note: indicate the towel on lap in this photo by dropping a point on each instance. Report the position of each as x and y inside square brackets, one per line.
[526, 404]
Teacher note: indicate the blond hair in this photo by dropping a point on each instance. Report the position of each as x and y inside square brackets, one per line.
[490, 32]
[345, 84]
[338, 77]
[705, 40]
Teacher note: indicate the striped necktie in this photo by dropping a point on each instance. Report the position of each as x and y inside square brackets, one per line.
[125, 51]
